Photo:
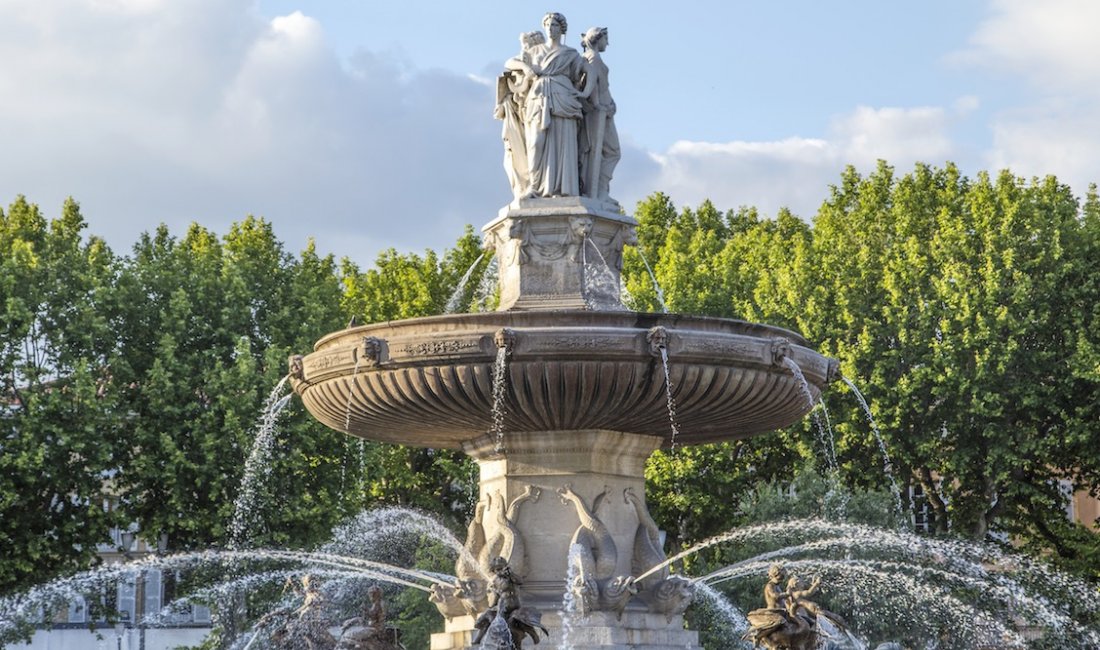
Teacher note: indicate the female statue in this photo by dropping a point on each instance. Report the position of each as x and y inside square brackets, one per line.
[552, 112]
[512, 87]
[599, 143]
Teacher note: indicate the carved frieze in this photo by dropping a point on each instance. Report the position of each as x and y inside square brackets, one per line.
[723, 347]
[439, 347]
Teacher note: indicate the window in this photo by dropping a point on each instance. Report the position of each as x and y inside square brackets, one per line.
[154, 593]
[127, 598]
[78, 610]
[923, 516]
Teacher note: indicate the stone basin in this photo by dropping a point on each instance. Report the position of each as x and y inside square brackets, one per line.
[429, 381]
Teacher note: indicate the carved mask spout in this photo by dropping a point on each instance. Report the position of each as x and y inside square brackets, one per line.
[657, 337]
[780, 350]
[505, 338]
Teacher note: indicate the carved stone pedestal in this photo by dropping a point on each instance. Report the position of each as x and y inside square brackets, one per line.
[600, 630]
[560, 253]
[545, 493]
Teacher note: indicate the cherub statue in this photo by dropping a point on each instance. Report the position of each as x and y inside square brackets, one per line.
[369, 631]
[305, 626]
[790, 621]
[505, 611]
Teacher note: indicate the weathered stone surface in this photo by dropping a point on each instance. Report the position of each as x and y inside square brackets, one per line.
[560, 253]
[428, 382]
[600, 630]
[562, 489]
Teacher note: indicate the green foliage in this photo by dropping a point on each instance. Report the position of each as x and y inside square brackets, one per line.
[966, 310]
[956, 304]
[211, 325]
[57, 408]
[407, 286]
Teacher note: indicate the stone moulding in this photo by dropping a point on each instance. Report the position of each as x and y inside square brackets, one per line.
[559, 253]
[428, 381]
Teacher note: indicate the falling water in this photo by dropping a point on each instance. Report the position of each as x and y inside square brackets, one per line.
[584, 268]
[656, 287]
[824, 438]
[925, 604]
[599, 280]
[246, 515]
[569, 605]
[924, 575]
[887, 465]
[456, 297]
[483, 294]
[500, 366]
[362, 535]
[351, 560]
[671, 404]
[347, 408]
[735, 622]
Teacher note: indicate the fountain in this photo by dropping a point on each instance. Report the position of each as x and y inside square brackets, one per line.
[560, 396]
[562, 392]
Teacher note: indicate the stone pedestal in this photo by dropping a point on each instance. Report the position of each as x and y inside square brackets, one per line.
[598, 466]
[536, 492]
[636, 630]
[560, 253]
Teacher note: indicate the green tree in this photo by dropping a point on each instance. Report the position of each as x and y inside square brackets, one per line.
[407, 286]
[57, 409]
[211, 326]
[711, 263]
[956, 304]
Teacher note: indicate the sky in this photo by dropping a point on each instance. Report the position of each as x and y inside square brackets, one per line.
[368, 125]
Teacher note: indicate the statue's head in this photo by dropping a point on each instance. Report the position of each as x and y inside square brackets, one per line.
[498, 564]
[776, 573]
[581, 226]
[591, 39]
[531, 39]
[374, 593]
[555, 24]
[620, 584]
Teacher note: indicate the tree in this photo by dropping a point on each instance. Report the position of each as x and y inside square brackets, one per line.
[407, 286]
[56, 410]
[956, 304]
[212, 325]
[964, 309]
[721, 265]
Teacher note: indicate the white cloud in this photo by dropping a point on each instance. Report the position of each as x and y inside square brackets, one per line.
[1050, 139]
[1052, 46]
[795, 172]
[148, 112]
[1051, 43]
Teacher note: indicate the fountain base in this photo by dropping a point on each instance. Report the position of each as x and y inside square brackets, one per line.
[599, 630]
[541, 487]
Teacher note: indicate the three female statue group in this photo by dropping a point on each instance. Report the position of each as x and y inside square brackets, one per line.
[559, 129]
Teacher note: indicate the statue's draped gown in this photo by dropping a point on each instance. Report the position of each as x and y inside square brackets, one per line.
[552, 113]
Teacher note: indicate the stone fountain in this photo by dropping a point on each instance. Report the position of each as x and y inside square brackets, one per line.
[562, 394]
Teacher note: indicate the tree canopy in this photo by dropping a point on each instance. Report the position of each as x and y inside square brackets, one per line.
[966, 310]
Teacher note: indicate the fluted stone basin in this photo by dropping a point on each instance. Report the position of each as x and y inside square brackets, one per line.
[428, 381]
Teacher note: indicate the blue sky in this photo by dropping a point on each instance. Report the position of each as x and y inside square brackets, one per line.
[369, 125]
